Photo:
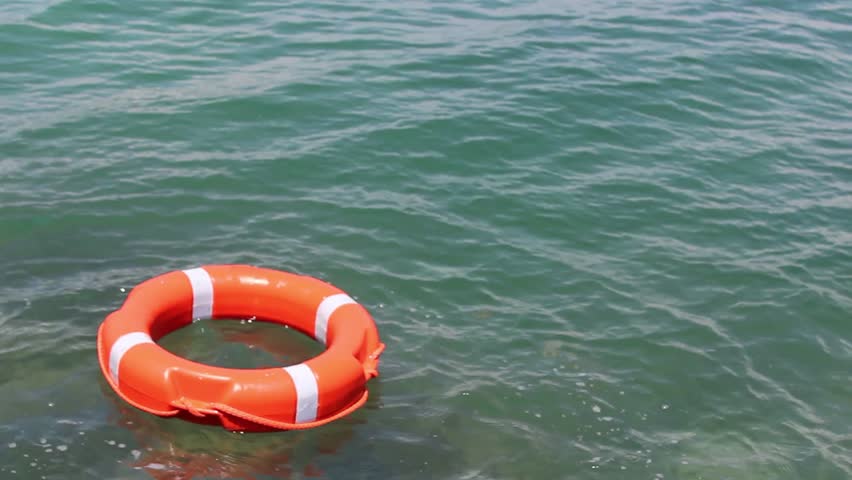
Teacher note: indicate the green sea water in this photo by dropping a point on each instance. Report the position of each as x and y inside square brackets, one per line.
[601, 240]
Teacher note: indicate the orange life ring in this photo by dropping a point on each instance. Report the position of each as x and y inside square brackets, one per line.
[320, 390]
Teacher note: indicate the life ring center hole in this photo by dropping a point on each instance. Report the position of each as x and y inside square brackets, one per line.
[241, 343]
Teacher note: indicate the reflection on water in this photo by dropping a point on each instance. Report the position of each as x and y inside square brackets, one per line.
[172, 449]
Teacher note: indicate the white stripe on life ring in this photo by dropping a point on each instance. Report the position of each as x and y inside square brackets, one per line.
[307, 392]
[121, 347]
[325, 310]
[202, 293]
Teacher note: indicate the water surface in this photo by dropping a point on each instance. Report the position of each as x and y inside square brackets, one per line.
[608, 241]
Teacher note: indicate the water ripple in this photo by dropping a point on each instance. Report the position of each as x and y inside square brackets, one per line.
[606, 239]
